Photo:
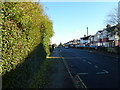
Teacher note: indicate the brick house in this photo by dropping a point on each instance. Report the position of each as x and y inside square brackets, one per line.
[105, 39]
[114, 36]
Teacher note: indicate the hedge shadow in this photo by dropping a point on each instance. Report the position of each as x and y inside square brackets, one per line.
[23, 74]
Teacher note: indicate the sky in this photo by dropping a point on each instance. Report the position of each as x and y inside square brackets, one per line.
[71, 19]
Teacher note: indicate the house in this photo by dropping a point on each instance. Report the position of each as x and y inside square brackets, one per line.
[111, 36]
[117, 35]
[108, 37]
[98, 38]
[84, 41]
[71, 43]
[114, 36]
[95, 40]
[78, 43]
[75, 43]
[105, 41]
[91, 41]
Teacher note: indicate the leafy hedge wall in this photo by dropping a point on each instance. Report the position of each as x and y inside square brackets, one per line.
[24, 27]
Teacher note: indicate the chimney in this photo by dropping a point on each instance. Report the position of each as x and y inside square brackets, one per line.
[108, 26]
[84, 35]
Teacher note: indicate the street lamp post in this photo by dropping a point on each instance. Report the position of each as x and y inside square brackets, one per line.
[87, 31]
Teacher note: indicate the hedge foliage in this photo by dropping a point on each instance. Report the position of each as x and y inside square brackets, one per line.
[24, 27]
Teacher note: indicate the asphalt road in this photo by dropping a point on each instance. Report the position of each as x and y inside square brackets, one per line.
[95, 70]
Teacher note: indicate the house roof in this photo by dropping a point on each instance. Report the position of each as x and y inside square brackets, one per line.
[92, 35]
[85, 38]
[118, 26]
[100, 31]
[112, 30]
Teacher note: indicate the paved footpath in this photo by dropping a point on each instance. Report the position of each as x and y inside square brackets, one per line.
[59, 76]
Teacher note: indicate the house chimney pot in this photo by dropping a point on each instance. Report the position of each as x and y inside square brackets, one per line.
[108, 26]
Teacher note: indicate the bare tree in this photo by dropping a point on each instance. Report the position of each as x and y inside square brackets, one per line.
[113, 17]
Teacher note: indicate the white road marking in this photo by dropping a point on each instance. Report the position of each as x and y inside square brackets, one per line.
[104, 72]
[82, 74]
[89, 63]
[101, 73]
[96, 66]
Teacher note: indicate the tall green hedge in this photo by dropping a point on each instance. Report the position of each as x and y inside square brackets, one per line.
[24, 27]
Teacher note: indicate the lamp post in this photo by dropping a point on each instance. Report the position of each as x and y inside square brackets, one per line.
[87, 31]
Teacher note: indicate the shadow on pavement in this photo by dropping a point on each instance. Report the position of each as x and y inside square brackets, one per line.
[59, 76]
[22, 75]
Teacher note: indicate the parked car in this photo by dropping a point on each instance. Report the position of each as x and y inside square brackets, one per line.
[92, 46]
[66, 47]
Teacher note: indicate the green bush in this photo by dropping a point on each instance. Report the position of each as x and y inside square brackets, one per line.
[24, 27]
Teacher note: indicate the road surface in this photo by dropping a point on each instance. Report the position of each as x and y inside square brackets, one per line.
[95, 70]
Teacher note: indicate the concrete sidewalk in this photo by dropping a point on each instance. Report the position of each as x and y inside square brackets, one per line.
[59, 76]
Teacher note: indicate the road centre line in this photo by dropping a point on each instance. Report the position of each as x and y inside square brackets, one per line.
[82, 74]
[101, 73]
[105, 71]
[89, 63]
[96, 66]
